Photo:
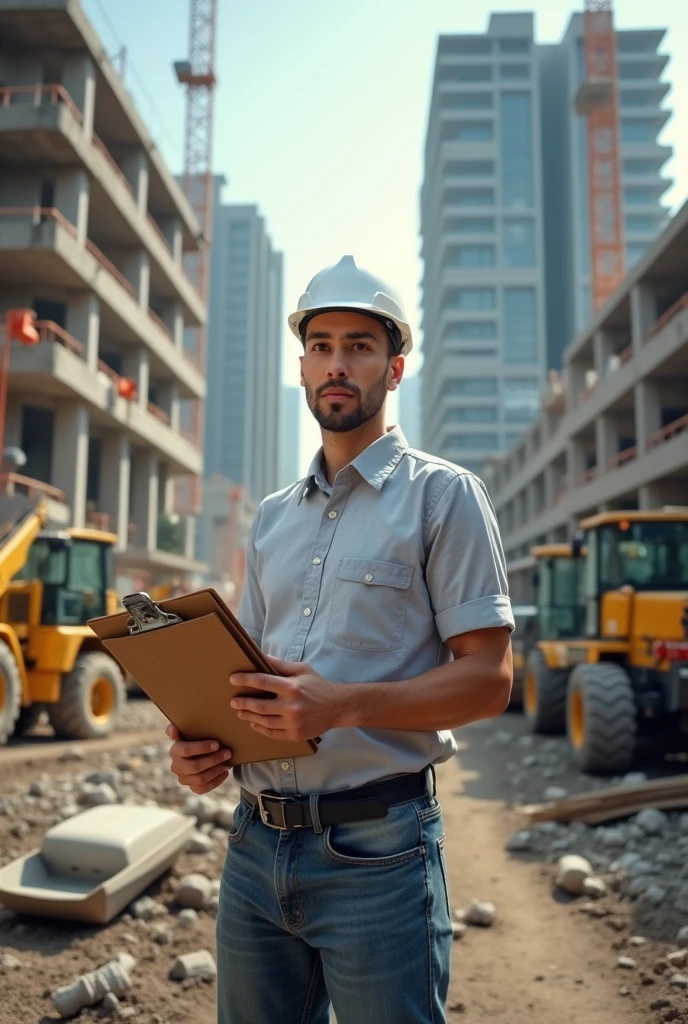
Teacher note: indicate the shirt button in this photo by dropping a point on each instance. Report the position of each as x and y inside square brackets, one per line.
[316, 561]
[285, 766]
[368, 577]
[306, 612]
[332, 514]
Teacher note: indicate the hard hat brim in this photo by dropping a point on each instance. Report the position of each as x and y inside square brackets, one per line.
[295, 319]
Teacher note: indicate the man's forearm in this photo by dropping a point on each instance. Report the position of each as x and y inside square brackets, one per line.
[463, 691]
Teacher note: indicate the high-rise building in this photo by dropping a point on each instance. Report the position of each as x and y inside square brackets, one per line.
[242, 424]
[409, 409]
[505, 220]
[93, 234]
[290, 461]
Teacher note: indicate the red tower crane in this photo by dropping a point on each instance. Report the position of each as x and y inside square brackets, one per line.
[197, 73]
[597, 100]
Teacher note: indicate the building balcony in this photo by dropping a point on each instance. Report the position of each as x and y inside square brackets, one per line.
[40, 247]
[55, 500]
[41, 125]
[56, 368]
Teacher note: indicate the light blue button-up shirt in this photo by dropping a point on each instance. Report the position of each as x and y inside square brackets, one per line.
[365, 581]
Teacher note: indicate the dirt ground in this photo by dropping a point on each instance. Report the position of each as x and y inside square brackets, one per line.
[543, 962]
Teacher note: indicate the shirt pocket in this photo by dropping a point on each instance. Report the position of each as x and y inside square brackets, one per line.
[369, 605]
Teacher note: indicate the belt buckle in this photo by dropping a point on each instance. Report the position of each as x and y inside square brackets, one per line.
[265, 814]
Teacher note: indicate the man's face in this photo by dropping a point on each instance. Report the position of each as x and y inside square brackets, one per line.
[347, 369]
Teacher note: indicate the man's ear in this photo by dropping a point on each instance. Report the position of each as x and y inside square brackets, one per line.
[303, 383]
[397, 368]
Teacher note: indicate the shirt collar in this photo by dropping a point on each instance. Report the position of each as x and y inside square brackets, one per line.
[375, 464]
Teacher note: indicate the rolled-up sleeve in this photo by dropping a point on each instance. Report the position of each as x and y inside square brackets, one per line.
[465, 569]
[252, 606]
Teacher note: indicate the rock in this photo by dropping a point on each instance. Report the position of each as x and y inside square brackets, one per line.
[458, 930]
[659, 1004]
[127, 961]
[102, 778]
[637, 940]
[162, 935]
[638, 886]
[679, 980]
[146, 909]
[39, 787]
[677, 958]
[110, 1005]
[625, 963]
[202, 808]
[502, 738]
[654, 895]
[553, 793]
[594, 887]
[526, 741]
[127, 1013]
[520, 842]
[641, 868]
[481, 913]
[625, 862]
[683, 823]
[633, 779]
[194, 891]
[194, 965]
[149, 753]
[682, 937]
[530, 761]
[90, 989]
[20, 830]
[611, 837]
[547, 828]
[213, 907]
[9, 963]
[458, 914]
[624, 991]
[199, 843]
[97, 796]
[72, 754]
[572, 873]
[187, 918]
[652, 821]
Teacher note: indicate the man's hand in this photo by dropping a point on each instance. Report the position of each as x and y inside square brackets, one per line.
[306, 705]
[201, 765]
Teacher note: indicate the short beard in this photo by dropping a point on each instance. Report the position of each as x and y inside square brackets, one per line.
[337, 422]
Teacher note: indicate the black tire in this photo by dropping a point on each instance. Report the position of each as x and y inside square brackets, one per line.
[10, 693]
[544, 695]
[28, 717]
[92, 694]
[601, 718]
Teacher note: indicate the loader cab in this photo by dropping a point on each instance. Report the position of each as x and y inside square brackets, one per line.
[76, 573]
[556, 587]
[628, 553]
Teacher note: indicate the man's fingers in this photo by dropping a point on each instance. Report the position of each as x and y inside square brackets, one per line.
[260, 681]
[203, 778]
[195, 748]
[268, 721]
[190, 766]
[209, 786]
[274, 734]
[172, 732]
[287, 668]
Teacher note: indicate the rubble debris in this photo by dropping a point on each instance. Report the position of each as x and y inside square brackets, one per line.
[481, 913]
[572, 872]
[91, 988]
[520, 842]
[194, 965]
[626, 963]
[194, 891]
[188, 918]
[146, 909]
[614, 802]
[9, 963]
[199, 842]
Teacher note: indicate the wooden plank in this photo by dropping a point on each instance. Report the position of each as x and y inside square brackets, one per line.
[615, 801]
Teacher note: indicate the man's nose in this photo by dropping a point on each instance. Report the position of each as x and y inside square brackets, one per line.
[337, 367]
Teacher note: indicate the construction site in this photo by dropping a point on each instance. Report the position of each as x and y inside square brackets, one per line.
[566, 818]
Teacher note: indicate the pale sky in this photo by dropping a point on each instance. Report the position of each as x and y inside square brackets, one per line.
[321, 113]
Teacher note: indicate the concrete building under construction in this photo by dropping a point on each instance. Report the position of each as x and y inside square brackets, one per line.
[93, 233]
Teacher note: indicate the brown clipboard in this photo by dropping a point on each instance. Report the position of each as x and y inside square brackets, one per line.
[181, 653]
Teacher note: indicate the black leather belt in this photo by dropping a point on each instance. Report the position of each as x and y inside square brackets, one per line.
[363, 804]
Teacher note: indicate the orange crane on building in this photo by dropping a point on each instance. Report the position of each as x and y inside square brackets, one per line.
[197, 73]
[597, 100]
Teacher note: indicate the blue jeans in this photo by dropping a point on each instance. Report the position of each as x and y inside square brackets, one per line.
[353, 915]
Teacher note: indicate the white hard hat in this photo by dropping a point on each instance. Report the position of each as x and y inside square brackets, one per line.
[344, 286]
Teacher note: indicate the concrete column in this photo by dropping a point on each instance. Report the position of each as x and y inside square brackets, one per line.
[603, 350]
[550, 485]
[137, 270]
[606, 440]
[648, 412]
[13, 423]
[173, 318]
[168, 489]
[135, 167]
[575, 383]
[70, 457]
[643, 313]
[170, 402]
[575, 463]
[173, 232]
[72, 191]
[115, 482]
[79, 79]
[649, 497]
[137, 365]
[83, 323]
[145, 500]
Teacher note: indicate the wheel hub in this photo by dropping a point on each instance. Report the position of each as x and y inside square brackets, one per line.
[530, 693]
[577, 719]
[102, 700]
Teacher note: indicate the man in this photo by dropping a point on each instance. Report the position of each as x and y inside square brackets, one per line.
[377, 586]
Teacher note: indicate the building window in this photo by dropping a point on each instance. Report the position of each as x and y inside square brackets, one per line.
[637, 72]
[638, 130]
[470, 225]
[466, 73]
[472, 353]
[635, 42]
[478, 442]
[472, 414]
[467, 45]
[511, 438]
[516, 149]
[638, 98]
[472, 330]
[475, 387]
[636, 196]
[467, 101]
[639, 167]
[469, 168]
[468, 131]
[469, 197]
[518, 242]
[520, 325]
[474, 298]
[641, 222]
[511, 46]
[521, 399]
[514, 72]
[469, 256]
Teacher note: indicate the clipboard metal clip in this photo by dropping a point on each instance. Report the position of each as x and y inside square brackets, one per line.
[145, 614]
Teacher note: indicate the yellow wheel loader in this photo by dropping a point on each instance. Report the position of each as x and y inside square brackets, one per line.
[625, 662]
[51, 583]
